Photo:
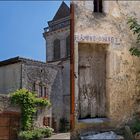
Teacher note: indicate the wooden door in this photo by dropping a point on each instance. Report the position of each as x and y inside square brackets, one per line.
[14, 126]
[9, 125]
[4, 128]
[92, 70]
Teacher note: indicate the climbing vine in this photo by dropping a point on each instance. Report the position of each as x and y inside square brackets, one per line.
[28, 103]
[135, 27]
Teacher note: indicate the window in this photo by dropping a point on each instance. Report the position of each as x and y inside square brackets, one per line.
[45, 92]
[56, 49]
[68, 46]
[34, 87]
[40, 91]
[46, 121]
[98, 6]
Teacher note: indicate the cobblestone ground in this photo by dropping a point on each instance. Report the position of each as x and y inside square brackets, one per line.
[60, 136]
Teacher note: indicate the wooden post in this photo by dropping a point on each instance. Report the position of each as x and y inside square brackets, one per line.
[72, 105]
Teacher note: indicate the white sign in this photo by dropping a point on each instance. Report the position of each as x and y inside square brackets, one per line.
[98, 38]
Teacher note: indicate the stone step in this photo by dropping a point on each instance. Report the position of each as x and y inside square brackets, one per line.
[104, 135]
[97, 124]
[94, 120]
[88, 126]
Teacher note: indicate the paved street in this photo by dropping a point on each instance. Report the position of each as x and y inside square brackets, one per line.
[60, 136]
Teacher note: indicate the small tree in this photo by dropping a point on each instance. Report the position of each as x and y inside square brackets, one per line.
[135, 27]
[28, 103]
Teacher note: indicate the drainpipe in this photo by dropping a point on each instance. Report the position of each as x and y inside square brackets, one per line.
[72, 97]
[21, 77]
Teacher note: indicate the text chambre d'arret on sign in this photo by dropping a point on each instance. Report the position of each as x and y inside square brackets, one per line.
[98, 38]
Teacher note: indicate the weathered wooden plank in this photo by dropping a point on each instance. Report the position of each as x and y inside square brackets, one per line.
[92, 100]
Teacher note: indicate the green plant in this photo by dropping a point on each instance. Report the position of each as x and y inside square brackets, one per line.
[35, 134]
[47, 131]
[28, 102]
[135, 27]
[135, 126]
[64, 125]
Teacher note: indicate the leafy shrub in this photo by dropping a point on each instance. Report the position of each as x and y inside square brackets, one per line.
[47, 131]
[35, 134]
[136, 126]
[28, 103]
[135, 27]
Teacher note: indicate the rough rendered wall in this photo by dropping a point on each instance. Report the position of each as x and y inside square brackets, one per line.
[66, 88]
[10, 76]
[57, 99]
[122, 69]
[61, 93]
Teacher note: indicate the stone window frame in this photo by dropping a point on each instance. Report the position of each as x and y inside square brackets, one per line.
[56, 49]
[43, 92]
[41, 89]
[68, 46]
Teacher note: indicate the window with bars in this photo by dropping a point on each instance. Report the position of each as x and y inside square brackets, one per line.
[98, 6]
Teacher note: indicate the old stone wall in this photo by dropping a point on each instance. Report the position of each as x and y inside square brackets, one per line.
[61, 88]
[66, 88]
[122, 70]
[47, 80]
[60, 93]
[36, 74]
[57, 99]
[6, 106]
[10, 76]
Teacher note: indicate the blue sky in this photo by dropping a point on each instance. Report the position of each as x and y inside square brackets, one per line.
[21, 27]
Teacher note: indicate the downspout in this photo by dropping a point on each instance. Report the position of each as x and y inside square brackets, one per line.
[72, 85]
[21, 77]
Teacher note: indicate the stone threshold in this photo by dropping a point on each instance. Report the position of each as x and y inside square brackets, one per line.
[93, 120]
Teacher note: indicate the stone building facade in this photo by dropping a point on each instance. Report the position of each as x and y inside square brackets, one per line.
[48, 79]
[38, 77]
[106, 75]
[57, 37]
